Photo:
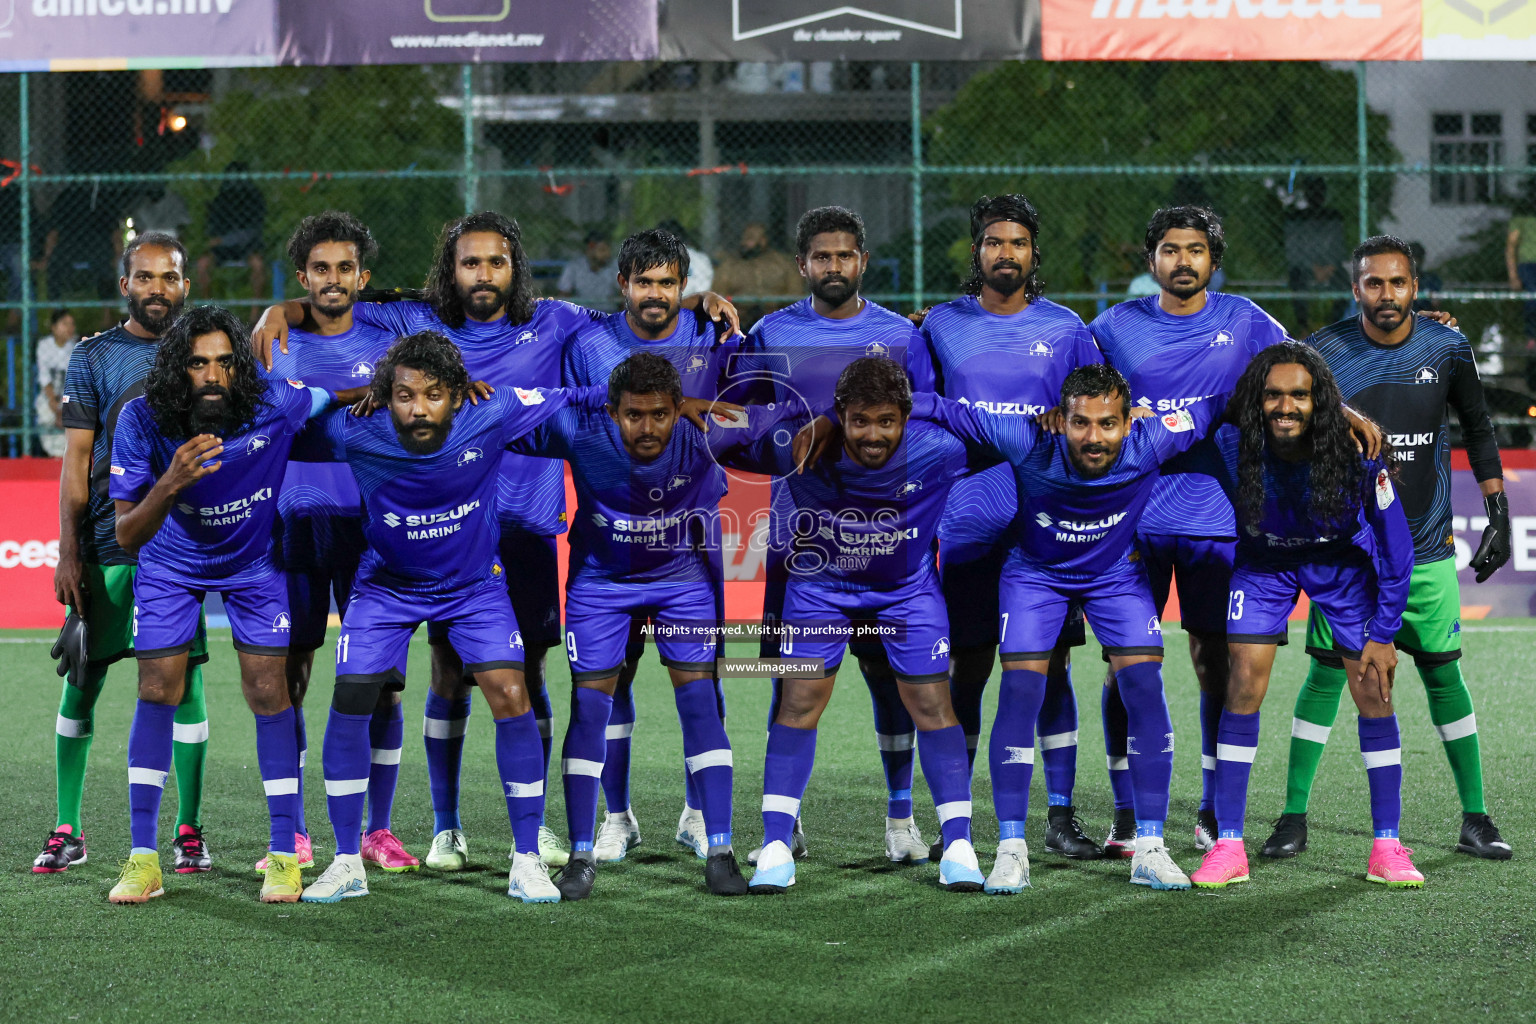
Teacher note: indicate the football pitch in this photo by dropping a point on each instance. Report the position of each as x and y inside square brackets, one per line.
[856, 939]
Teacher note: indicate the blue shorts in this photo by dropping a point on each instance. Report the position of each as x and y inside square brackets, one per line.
[918, 653]
[376, 632]
[1118, 605]
[1262, 598]
[598, 619]
[971, 575]
[1202, 567]
[773, 613]
[168, 607]
[319, 555]
[532, 574]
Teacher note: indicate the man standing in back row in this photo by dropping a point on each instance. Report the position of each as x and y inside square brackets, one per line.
[1405, 371]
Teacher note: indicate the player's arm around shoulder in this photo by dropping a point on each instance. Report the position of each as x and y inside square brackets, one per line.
[1173, 433]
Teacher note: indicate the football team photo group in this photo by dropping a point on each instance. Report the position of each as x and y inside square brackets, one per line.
[959, 498]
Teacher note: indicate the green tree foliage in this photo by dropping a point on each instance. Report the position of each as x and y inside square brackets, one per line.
[333, 119]
[1194, 115]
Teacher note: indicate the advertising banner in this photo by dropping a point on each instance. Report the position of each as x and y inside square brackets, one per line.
[1479, 29]
[1230, 29]
[826, 30]
[112, 35]
[465, 31]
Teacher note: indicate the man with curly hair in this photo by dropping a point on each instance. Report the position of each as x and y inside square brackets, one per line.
[196, 466]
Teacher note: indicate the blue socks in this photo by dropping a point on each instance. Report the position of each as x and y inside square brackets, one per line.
[1058, 737]
[620, 727]
[786, 771]
[346, 762]
[1115, 727]
[948, 773]
[1149, 738]
[707, 753]
[149, 762]
[1383, 756]
[386, 737]
[581, 762]
[1237, 744]
[443, 732]
[277, 755]
[520, 762]
[1011, 752]
[895, 734]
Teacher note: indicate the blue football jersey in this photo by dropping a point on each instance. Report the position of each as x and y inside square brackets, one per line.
[600, 345]
[531, 494]
[431, 519]
[1070, 527]
[657, 521]
[223, 522]
[1171, 361]
[335, 362]
[105, 372]
[1007, 365]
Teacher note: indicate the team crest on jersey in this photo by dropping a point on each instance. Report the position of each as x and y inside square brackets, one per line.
[1222, 340]
[282, 623]
[877, 348]
[1426, 375]
[695, 364]
[524, 337]
[941, 647]
[391, 519]
[469, 455]
[1041, 519]
[729, 420]
[1153, 626]
[1041, 348]
[257, 443]
[600, 519]
[681, 480]
[529, 397]
[910, 487]
[516, 639]
[1384, 493]
[362, 369]
[1178, 421]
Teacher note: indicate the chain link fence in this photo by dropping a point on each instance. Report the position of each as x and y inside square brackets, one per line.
[1294, 158]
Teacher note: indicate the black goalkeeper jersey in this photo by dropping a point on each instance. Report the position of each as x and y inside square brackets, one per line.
[1407, 388]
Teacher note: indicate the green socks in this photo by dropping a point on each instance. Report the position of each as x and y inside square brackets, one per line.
[72, 743]
[1450, 709]
[189, 750]
[1317, 705]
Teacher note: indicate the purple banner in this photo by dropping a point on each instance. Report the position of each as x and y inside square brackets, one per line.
[465, 31]
[64, 35]
[1510, 592]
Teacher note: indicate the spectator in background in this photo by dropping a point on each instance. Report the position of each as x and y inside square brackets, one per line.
[1520, 259]
[160, 210]
[701, 269]
[237, 218]
[592, 279]
[756, 268]
[53, 351]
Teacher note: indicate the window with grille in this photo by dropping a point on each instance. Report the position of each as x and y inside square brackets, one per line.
[1466, 139]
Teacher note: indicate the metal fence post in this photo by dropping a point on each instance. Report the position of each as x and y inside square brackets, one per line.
[1362, 152]
[471, 178]
[24, 182]
[917, 185]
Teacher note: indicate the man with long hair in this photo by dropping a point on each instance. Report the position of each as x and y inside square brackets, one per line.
[196, 465]
[479, 293]
[320, 533]
[1313, 515]
[1406, 371]
[94, 578]
[1005, 348]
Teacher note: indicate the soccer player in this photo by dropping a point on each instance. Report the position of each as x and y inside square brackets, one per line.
[428, 482]
[479, 293]
[196, 464]
[645, 546]
[95, 575]
[864, 521]
[1319, 517]
[1174, 348]
[1004, 348]
[796, 355]
[653, 270]
[1080, 496]
[1404, 371]
[320, 533]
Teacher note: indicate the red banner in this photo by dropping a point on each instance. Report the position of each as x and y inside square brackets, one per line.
[1231, 29]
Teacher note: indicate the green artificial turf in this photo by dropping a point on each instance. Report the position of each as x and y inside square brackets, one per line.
[856, 939]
